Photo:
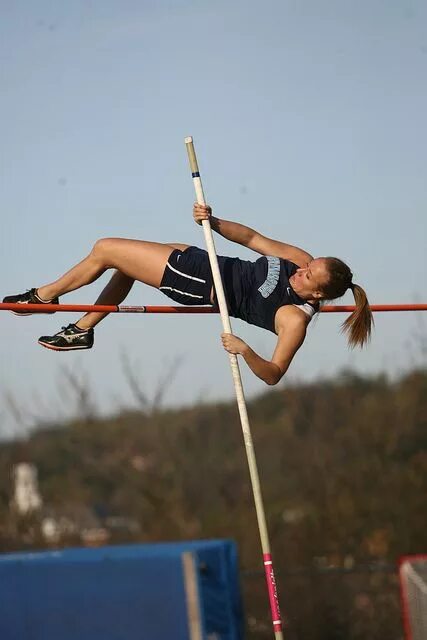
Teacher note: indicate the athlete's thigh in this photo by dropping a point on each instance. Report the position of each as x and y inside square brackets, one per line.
[178, 245]
[138, 259]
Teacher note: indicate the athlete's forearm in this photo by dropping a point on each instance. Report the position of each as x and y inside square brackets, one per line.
[233, 231]
[268, 371]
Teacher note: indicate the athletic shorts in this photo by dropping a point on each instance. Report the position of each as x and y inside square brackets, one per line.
[187, 278]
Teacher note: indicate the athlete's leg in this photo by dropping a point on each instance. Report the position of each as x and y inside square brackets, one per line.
[136, 259]
[80, 335]
[179, 246]
[114, 293]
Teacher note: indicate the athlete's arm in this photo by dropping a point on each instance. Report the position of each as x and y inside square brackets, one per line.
[241, 234]
[291, 326]
[268, 247]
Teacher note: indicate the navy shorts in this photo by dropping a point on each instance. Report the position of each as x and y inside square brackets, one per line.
[187, 278]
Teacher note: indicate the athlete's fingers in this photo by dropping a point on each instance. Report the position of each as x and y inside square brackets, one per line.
[201, 212]
[202, 209]
[226, 339]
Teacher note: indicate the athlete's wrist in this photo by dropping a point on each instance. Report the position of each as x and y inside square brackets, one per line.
[245, 350]
[214, 223]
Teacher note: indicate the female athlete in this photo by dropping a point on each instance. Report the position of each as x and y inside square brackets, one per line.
[280, 292]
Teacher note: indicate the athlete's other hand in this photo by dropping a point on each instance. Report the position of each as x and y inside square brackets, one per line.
[201, 212]
[233, 344]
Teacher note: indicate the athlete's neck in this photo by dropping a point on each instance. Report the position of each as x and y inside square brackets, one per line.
[299, 291]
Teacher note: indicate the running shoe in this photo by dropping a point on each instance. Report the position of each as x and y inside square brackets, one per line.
[29, 297]
[70, 338]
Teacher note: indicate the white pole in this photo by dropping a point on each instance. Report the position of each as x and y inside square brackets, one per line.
[241, 403]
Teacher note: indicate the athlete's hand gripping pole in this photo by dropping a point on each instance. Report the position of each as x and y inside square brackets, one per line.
[219, 289]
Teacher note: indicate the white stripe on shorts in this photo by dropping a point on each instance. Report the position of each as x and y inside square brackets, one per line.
[185, 275]
[183, 293]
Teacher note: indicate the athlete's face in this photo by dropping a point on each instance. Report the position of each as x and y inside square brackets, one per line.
[311, 278]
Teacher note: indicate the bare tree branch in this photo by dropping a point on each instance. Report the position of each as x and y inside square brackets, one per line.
[79, 386]
[164, 383]
[133, 383]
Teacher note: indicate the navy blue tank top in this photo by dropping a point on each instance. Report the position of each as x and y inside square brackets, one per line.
[256, 290]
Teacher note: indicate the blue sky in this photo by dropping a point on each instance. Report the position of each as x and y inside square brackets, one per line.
[309, 123]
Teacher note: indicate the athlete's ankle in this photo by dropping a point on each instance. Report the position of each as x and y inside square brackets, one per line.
[79, 326]
[43, 298]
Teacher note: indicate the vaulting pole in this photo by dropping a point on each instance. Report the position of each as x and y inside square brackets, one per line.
[241, 403]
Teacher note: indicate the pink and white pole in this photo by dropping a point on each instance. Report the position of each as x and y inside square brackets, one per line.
[241, 403]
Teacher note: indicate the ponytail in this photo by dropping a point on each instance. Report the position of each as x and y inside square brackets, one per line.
[358, 325]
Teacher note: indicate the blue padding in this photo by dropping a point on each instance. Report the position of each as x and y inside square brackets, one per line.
[133, 592]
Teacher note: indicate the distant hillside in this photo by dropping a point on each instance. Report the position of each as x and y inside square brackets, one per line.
[343, 466]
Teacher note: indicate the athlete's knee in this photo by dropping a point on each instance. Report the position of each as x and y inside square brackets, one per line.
[103, 248]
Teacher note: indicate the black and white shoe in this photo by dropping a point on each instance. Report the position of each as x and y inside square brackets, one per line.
[29, 297]
[69, 338]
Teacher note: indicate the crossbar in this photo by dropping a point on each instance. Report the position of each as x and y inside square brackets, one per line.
[110, 308]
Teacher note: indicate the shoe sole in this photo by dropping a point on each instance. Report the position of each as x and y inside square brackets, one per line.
[31, 313]
[49, 346]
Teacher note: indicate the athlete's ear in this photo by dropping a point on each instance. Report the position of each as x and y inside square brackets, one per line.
[318, 295]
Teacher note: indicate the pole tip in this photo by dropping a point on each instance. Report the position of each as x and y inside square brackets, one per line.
[188, 140]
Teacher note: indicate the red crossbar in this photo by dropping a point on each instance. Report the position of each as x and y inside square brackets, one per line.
[105, 308]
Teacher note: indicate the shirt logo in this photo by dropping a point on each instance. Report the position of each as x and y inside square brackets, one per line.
[273, 275]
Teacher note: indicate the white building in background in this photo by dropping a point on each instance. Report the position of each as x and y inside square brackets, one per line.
[26, 496]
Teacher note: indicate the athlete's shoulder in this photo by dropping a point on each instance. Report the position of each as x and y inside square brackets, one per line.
[290, 315]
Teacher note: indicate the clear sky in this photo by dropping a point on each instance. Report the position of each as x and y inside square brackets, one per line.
[309, 120]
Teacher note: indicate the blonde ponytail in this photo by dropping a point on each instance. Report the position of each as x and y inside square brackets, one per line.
[358, 326]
